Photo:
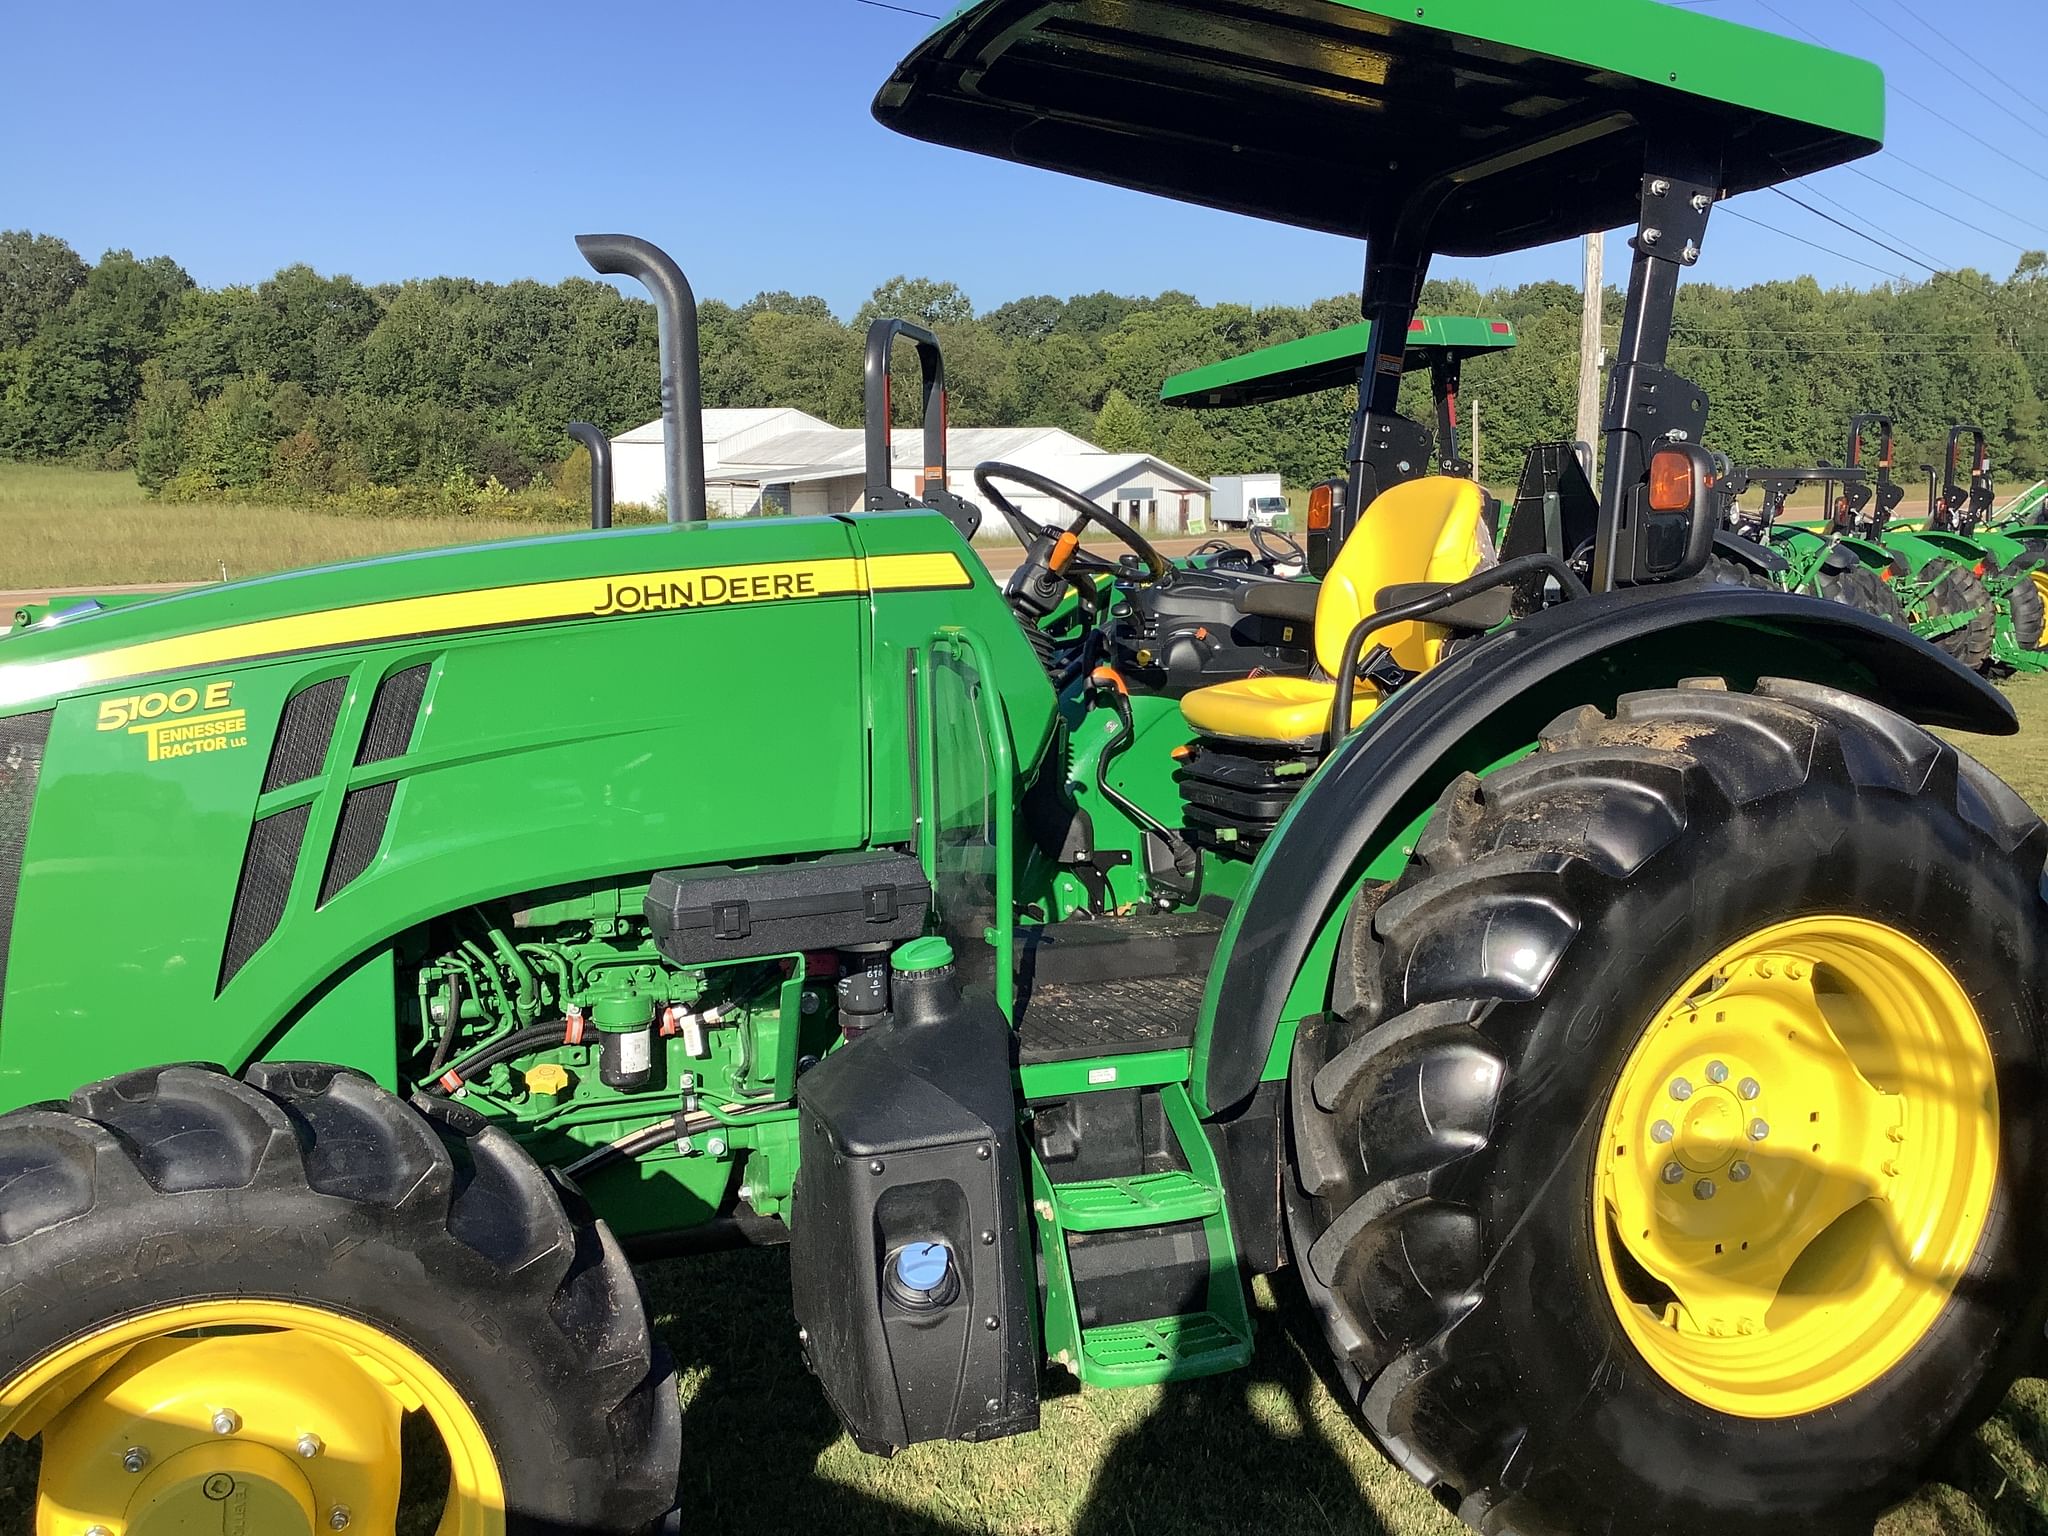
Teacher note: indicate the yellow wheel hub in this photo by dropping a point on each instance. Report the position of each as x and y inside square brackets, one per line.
[2039, 577]
[252, 1418]
[1798, 1161]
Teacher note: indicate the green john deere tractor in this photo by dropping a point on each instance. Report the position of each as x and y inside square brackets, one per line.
[2011, 556]
[1338, 359]
[1855, 554]
[1638, 1070]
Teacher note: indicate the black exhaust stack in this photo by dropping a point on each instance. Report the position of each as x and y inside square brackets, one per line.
[882, 495]
[682, 392]
[599, 447]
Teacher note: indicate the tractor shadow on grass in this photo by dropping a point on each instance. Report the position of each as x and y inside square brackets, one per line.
[1265, 1448]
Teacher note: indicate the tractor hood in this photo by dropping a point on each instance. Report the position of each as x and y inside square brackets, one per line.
[1529, 120]
[558, 580]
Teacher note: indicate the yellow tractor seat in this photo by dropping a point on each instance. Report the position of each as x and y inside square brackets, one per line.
[1429, 531]
[1270, 708]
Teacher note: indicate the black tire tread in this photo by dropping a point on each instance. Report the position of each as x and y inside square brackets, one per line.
[455, 1188]
[1515, 848]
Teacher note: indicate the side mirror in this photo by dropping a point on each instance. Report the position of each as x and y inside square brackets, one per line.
[1677, 513]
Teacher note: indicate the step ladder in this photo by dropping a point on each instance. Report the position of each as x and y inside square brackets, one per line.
[1144, 1353]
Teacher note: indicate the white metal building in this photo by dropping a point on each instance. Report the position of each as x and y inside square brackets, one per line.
[788, 461]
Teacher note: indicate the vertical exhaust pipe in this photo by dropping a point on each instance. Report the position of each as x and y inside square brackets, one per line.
[682, 392]
[599, 448]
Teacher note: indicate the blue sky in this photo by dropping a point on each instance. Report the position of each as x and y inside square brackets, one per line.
[393, 140]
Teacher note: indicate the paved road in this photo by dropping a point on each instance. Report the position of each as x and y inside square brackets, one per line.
[1001, 558]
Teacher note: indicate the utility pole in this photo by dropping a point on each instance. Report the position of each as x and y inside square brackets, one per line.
[1591, 313]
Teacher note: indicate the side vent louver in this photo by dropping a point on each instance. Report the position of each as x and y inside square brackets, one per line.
[21, 765]
[393, 716]
[300, 751]
[363, 815]
[274, 844]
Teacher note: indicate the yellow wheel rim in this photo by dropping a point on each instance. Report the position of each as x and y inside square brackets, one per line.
[2039, 577]
[1798, 1162]
[247, 1416]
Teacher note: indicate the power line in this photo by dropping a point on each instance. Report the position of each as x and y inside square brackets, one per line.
[1953, 218]
[883, 5]
[1907, 95]
[1852, 229]
[1737, 213]
[1966, 81]
[1962, 53]
[1953, 186]
[1864, 218]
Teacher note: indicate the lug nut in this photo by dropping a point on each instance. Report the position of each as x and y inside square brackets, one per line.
[1673, 1173]
[1681, 1090]
[97, 1530]
[1759, 1129]
[135, 1458]
[1738, 1172]
[1704, 1190]
[1749, 1087]
[337, 1518]
[311, 1446]
[226, 1422]
[715, 1146]
[1661, 1132]
[1717, 1072]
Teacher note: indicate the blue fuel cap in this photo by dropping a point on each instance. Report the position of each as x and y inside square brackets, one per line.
[923, 1266]
[921, 1276]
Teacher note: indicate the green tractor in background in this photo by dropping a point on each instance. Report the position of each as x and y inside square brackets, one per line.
[1636, 1069]
[2010, 556]
[1339, 359]
[1853, 555]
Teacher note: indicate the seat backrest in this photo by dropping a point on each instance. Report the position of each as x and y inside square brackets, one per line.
[1421, 530]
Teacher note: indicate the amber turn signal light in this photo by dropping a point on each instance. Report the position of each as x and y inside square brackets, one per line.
[1319, 501]
[1671, 473]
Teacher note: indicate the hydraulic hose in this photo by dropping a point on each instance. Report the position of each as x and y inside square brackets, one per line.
[521, 1042]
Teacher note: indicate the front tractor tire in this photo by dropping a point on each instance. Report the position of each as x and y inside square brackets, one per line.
[291, 1299]
[1672, 1158]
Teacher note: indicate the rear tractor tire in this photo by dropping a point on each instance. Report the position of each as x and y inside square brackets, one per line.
[2027, 599]
[1863, 589]
[1672, 1160]
[1720, 571]
[228, 1296]
[1958, 591]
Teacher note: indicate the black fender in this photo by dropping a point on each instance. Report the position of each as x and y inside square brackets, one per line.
[1760, 558]
[1490, 699]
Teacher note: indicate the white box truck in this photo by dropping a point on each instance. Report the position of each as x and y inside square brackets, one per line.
[1243, 501]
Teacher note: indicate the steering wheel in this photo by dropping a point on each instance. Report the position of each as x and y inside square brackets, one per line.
[1278, 547]
[1054, 555]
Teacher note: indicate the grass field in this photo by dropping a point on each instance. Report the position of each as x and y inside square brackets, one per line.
[1270, 1449]
[81, 527]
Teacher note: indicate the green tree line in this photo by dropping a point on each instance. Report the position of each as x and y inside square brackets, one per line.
[449, 391]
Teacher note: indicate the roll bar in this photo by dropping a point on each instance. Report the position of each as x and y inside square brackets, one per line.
[882, 494]
[682, 390]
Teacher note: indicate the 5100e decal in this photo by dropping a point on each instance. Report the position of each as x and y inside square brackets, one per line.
[180, 722]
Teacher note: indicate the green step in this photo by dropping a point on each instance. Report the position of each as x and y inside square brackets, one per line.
[1140, 1200]
[1164, 1349]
